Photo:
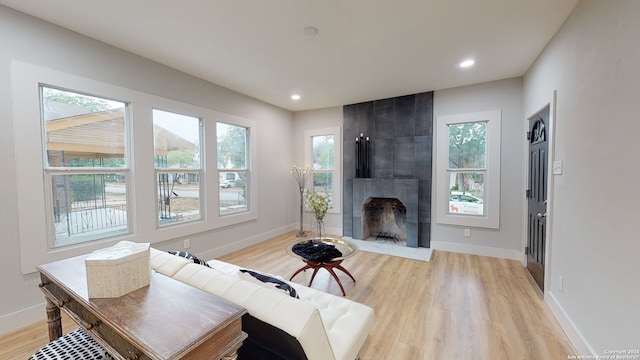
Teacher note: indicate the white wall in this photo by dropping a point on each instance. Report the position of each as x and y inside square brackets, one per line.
[593, 64]
[505, 242]
[33, 41]
[310, 120]
[505, 95]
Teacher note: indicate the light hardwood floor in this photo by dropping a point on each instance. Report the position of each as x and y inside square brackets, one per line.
[456, 306]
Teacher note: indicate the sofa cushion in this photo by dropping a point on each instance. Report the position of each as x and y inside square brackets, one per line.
[347, 323]
[189, 256]
[269, 281]
[327, 326]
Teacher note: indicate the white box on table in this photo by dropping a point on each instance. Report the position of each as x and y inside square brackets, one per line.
[118, 270]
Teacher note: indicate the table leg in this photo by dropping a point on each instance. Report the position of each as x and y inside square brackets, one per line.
[54, 321]
[231, 356]
[330, 270]
[339, 267]
[329, 267]
[300, 270]
[313, 276]
[309, 265]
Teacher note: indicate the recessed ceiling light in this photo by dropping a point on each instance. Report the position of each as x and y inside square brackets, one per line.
[311, 30]
[467, 63]
[295, 97]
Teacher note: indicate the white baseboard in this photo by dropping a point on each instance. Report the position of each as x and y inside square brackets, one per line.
[575, 336]
[22, 318]
[476, 250]
[241, 244]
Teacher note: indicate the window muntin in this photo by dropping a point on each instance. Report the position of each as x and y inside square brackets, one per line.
[233, 168]
[178, 167]
[467, 167]
[86, 166]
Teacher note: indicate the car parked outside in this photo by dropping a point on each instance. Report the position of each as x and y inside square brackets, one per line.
[465, 203]
[227, 184]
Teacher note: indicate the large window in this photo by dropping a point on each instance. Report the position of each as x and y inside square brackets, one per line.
[86, 166]
[233, 168]
[178, 167]
[468, 169]
[91, 171]
[322, 152]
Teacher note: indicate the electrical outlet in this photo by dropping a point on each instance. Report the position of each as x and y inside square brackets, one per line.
[467, 232]
[186, 243]
[560, 283]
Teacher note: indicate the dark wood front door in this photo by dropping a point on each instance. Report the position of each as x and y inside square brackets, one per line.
[537, 194]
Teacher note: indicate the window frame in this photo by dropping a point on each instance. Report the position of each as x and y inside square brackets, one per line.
[491, 216]
[49, 172]
[336, 132]
[199, 171]
[247, 169]
[35, 248]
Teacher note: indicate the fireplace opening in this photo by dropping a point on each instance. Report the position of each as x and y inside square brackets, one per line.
[384, 219]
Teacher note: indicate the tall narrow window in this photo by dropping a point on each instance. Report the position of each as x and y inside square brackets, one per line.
[86, 166]
[322, 153]
[468, 169]
[323, 164]
[178, 167]
[233, 168]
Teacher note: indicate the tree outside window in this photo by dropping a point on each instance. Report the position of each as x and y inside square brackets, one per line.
[322, 152]
[178, 167]
[467, 176]
[323, 164]
[233, 167]
[467, 167]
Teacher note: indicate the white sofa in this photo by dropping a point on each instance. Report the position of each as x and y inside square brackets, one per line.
[317, 326]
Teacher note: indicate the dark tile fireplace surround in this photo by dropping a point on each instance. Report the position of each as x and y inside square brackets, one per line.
[401, 132]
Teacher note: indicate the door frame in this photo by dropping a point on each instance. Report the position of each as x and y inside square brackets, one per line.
[551, 130]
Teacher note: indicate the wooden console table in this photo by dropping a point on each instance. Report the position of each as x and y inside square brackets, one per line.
[165, 320]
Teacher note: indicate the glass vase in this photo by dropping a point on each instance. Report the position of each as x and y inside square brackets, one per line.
[319, 229]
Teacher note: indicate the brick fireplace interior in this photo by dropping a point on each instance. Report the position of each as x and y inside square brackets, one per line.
[384, 219]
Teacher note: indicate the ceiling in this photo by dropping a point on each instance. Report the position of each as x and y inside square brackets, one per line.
[364, 49]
